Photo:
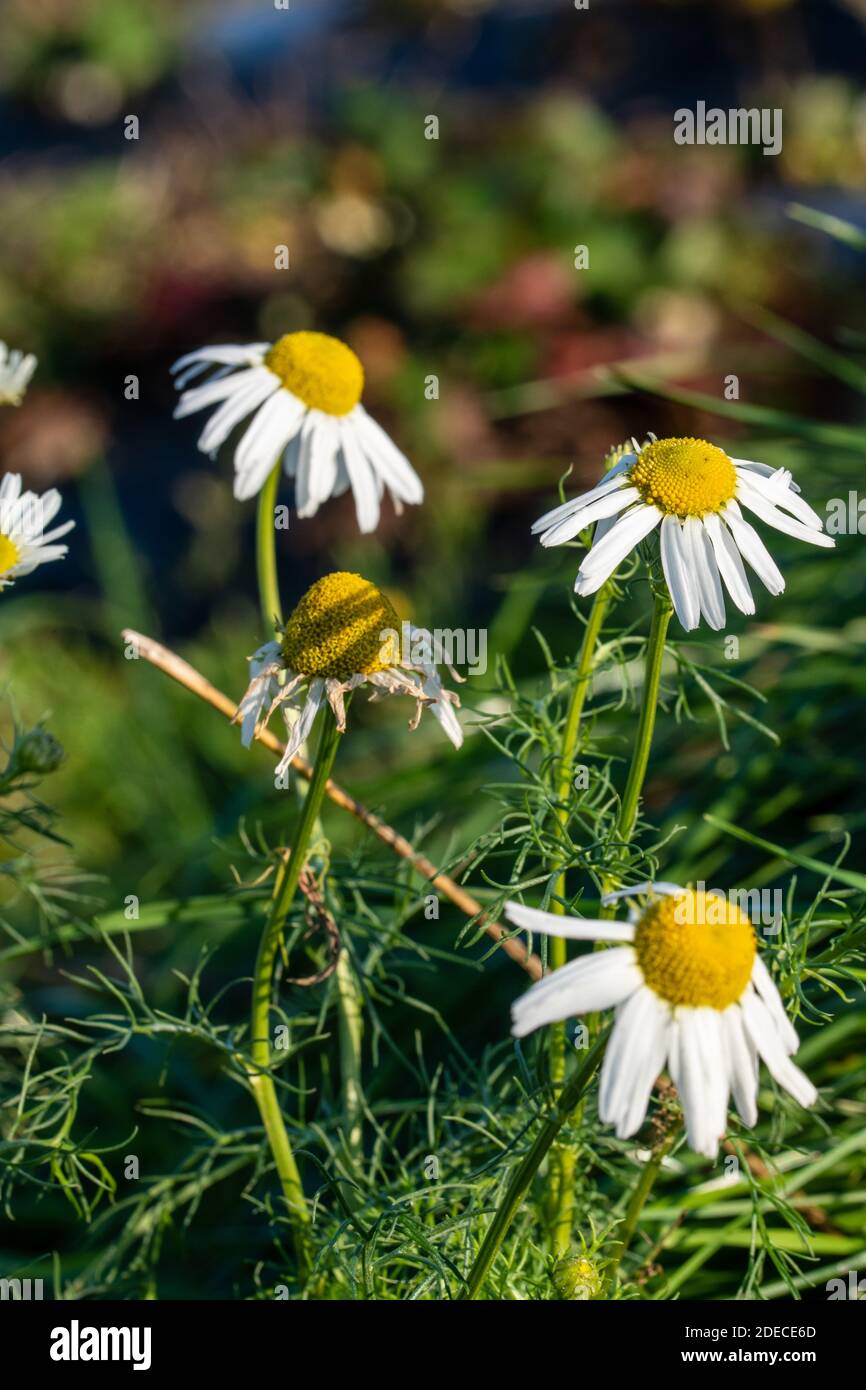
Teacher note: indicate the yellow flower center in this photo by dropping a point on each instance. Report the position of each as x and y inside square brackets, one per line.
[684, 477]
[338, 629]
[9, 554]
[321, 371]
[696, 949]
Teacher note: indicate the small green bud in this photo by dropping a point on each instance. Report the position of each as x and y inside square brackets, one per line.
[577, 1278]
[36, 751]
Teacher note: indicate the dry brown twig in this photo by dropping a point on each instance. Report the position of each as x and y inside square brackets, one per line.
[172, 665]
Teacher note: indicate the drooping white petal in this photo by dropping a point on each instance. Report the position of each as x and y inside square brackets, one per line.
[259, 450]
[699, 1070]
[362, 478]
[764, 1034]
[324, 449]
[753, 549]
[703, 565]
[682, 584]
[729, 562]
[299, 730]
[765, 985]
[570, 928]
[388, 461]
[742, 1065]
[263, 671]
[606, 554]
[779, 490]
[597, 981]
[635, 1055]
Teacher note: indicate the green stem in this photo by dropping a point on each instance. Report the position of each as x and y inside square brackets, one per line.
[561, 1197]
[529, 1165]
[642, 1189]
[259, 1067]
[266, 552]
[640, 757]
[351, 1034]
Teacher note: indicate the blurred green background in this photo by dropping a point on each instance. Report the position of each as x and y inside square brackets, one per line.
[451, 257]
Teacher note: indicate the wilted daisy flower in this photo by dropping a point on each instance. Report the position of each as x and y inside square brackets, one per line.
[343, 634]
[15, 373]
[24, 542]
[301, 398]
[695, 493]
[690, 992]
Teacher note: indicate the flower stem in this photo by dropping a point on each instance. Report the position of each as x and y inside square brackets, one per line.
[529, 1165]
[266, 552]
[640, 756]
[642, 1189]
[351, 1033]
[259, 1067]
[561, 1197]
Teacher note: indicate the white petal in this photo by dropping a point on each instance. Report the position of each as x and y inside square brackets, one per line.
[598, 981]
[779, 490]
[324, 449]
[699, 1070]
[763, 470]
[234, 409]
[682, 585]
[570, 928]
[606, 554]
[764, 984]
[228, 353]
[221, 388]
[637, 890]
[706, 572]
[299, 730]
[388, 461]
[753, 549]
[269, 431]
[613, 479]
[362, 479]
[729, 562]
[600, 509]
[764, 1034]
[756, 500]
[635, 1055]
[742, 1065]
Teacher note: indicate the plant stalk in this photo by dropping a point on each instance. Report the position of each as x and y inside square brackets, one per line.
[529, 1165]
[259, 1068]
[561, 1196]
[266, 553]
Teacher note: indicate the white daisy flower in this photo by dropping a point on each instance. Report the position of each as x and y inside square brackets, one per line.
[24, 541]
[301, 399]
[696, 494]
[691, 994]
[15, 373]
[343, 634]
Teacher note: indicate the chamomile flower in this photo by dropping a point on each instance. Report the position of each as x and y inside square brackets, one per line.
[691, 994]
[16, 369]
[343, 634]
[24, 541]
[301, 400]
[695, 494]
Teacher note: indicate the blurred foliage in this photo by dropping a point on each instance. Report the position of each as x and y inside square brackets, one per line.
[452, 257]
